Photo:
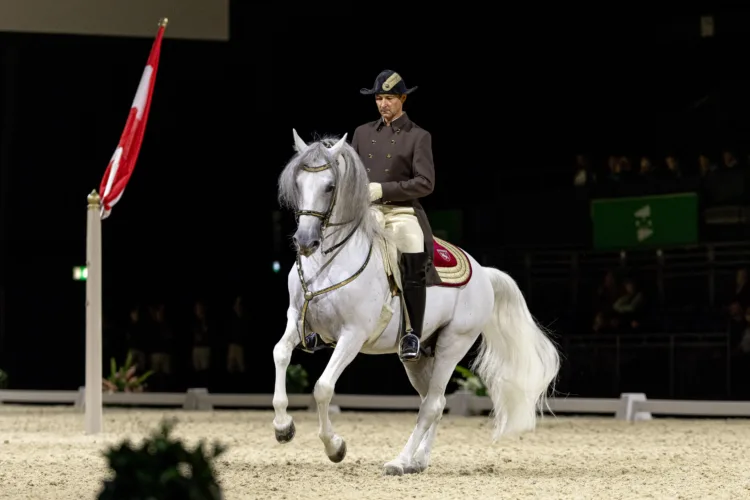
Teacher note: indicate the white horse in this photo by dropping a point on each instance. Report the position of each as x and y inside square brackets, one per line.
[339, 288]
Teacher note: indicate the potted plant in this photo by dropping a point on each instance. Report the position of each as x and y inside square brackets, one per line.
[124, 379]
[296, 379]
[161, 468]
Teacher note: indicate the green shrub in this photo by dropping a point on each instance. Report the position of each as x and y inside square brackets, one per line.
[161, 468]
[296, 379]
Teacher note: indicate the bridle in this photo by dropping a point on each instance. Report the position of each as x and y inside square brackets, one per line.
[325, 216]
[309, 295]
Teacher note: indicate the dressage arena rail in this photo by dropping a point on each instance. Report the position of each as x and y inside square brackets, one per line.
[629, 406]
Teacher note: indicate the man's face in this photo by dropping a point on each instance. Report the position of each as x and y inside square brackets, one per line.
[389, 105]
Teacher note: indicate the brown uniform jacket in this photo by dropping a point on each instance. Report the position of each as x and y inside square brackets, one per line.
[399, 157]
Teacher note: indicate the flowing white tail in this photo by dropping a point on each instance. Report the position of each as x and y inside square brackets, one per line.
[517, 361]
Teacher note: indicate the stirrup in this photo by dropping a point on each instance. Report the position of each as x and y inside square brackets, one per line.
[411, 354]
[314, 344]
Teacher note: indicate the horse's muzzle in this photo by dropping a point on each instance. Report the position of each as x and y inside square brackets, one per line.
[306, 244]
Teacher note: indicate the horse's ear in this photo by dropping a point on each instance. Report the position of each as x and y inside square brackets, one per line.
[299, 144]
[334, 150]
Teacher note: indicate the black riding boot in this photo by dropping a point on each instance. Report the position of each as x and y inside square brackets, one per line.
[414, 278]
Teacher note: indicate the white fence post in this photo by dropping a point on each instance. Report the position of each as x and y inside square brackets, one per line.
[626, 411]
[196, 399]
[93, 399]
[459, 403]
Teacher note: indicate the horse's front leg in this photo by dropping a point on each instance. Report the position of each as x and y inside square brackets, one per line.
[346, 350]
[282, 356]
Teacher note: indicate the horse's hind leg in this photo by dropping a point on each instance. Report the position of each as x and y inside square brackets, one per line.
[452, 346]
[282, 356]
[344, 353]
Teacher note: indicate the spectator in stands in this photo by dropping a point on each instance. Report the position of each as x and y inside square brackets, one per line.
[239, 330]
[626, 169]
[162, 338]
[605, 297]
[584, 174]
[646, 171]
[201, 339]
[705, 165]
[614, 176]
[674, 171]
[730, 160]
[629, 307]
[607, 293]
[136, 340]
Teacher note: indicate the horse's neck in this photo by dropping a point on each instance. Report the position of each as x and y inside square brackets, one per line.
[343, 261]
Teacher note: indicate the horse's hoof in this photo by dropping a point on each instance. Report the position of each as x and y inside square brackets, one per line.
[340, 454]
[413, 469]
[285, 435]
[393, 469]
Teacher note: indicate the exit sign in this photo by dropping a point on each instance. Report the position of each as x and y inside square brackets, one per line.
[80, 273]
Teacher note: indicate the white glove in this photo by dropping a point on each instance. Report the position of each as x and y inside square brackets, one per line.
[376, 191]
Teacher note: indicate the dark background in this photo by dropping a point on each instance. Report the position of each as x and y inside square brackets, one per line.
[510, 99]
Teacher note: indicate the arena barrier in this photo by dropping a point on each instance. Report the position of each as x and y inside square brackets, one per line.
[629, 406]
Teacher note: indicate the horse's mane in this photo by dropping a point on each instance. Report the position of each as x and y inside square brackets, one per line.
[352, 192]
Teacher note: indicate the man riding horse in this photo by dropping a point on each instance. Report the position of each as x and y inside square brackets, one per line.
[398, 156]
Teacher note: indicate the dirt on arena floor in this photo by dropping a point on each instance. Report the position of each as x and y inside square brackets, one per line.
[45, 455]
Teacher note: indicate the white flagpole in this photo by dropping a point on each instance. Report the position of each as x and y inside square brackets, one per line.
[93, 399]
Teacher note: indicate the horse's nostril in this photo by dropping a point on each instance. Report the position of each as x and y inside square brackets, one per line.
[316, 243]
[294, 239]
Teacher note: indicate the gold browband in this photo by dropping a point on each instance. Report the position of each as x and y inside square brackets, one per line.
[316, 169]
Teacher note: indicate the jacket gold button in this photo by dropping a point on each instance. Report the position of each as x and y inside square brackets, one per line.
[388, 155]
[369, 170]
[385, 170]
[370, 155]
[393, 141]
[373, 141]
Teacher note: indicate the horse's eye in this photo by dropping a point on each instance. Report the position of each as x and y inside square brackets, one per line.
[329, 188]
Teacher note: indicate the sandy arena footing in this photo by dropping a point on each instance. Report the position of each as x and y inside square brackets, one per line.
[45, 455]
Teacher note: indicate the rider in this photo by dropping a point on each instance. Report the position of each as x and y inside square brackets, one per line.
[398, 156]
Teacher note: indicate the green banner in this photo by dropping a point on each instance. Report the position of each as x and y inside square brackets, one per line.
[645, 221]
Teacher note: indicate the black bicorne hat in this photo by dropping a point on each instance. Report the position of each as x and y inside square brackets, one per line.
[388, 82]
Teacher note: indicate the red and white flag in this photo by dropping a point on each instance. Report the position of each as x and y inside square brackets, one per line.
[123, 160]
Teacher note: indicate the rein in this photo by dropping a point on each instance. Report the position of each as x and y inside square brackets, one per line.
[309, 295]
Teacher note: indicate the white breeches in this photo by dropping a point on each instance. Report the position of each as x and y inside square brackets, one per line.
[402, 226]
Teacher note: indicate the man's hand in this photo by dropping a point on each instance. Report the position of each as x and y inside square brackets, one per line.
[376, 191]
